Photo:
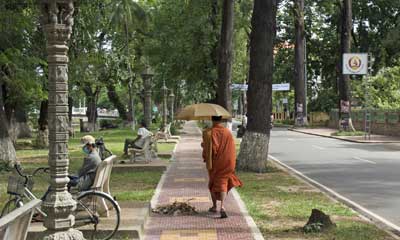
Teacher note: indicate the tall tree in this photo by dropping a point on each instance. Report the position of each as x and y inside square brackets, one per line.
[345, 47]
[128, 16]
[7, 150]
[254, 147]
[224, 95]
[299, 70]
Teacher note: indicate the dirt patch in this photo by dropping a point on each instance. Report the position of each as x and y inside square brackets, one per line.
[302, 188]
[33, 160]
[347, 218]
[271, 208]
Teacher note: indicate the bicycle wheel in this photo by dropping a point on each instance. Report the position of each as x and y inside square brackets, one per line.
[10, 206]
[97, 215]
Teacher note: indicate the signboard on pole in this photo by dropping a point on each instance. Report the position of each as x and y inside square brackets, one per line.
[242, 87]
[275, 87]
[355, 63]
[281, 87]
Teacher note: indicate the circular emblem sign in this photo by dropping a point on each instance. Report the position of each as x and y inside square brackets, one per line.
[355, 63]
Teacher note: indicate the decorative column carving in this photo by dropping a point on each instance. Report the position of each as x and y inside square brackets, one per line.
[147, 75]
[57, 20]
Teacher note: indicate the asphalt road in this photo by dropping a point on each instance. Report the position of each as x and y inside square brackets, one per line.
[368, 174]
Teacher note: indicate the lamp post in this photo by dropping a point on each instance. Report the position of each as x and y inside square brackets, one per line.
[165, 107]
[171, 98]
[147, 75]
[57, 20]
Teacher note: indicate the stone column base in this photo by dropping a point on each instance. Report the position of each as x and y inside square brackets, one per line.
[71, 234]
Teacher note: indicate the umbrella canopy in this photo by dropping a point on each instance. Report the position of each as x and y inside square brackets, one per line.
[202, 111]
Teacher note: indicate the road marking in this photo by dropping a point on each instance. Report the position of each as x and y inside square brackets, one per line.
[364, 160]
[355, 206]
[317, 147]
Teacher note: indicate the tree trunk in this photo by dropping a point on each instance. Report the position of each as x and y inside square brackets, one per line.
[116, 101]
[7, 150]
[91, 112]
[18, 124]
[131, 107]
[42, 139]
[254, 147]
[24, 131]
[214, 51]
[344, 80]
[224, 94]
[299, 71]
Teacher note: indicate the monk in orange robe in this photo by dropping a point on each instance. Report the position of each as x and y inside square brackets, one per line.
[220, 156]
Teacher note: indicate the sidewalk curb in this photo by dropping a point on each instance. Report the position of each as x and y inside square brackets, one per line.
[339, 138]
[255, 231]
[377, 220]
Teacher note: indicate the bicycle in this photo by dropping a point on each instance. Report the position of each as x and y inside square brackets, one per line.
[103, 151]
[91, 206]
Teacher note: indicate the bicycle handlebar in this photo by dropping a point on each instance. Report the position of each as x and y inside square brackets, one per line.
[17, 167]
[44, 169]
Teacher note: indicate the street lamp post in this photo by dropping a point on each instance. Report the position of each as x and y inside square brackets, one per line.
[165, 107]
[57, 20]
[147, 74]
[171, 98]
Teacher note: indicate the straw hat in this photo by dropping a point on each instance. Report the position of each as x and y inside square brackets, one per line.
[88, 139]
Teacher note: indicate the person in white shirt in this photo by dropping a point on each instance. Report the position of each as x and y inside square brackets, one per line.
[140, 139]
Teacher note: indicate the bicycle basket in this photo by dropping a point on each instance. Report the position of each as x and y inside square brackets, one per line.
[16, 185]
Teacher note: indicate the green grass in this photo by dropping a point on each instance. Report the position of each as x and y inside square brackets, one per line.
[137, 186]
[281, 204]
[165, 147]
[348, 133]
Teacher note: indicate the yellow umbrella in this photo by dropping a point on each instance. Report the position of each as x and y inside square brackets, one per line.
[202, 111]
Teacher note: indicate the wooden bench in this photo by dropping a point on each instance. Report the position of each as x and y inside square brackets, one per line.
[102, 183]
[15, 224]
[146, 151]
[166, 134]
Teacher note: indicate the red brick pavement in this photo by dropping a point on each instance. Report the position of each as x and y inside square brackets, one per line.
[187, 178]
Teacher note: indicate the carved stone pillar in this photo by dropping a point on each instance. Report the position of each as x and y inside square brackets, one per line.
[57, 23]
[147, 101]
[147, 74]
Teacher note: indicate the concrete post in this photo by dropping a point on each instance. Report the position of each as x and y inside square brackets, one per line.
[57, 20]
[171, 98]
[165, 106]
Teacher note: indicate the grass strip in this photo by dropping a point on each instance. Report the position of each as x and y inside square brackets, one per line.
[280, 204]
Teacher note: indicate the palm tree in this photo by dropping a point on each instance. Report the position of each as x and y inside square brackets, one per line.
[127, 17]
[254, 147]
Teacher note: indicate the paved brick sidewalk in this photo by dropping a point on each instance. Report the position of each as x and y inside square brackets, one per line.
[187, 179]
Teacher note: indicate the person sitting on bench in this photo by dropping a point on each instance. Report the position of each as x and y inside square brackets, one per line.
[139, 141]
[87, 173]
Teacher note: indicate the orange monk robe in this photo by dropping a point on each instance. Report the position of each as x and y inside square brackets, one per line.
[222, 175]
